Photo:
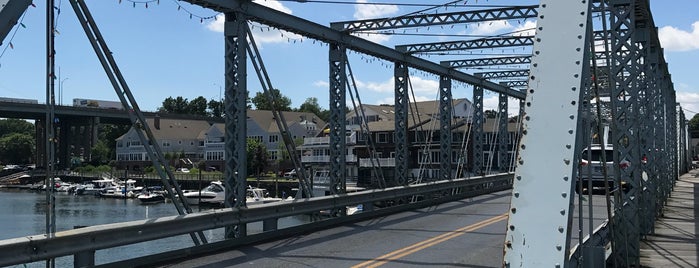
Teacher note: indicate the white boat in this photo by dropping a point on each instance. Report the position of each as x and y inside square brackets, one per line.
[150, 198]
[212, 194]
[126, 189]
[256, 196]
[96, 186]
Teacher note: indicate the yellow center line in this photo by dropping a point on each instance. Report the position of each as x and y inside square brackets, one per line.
[381, 260]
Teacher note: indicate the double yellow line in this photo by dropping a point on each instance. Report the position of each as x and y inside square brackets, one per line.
[381, 260]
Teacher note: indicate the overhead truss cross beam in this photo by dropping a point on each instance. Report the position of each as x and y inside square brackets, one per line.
[487, 62]
[422, 20]
[508, 41]
[504, 74]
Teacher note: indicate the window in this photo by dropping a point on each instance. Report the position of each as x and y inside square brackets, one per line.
[218, 155]
[382, 137]
[166, 144]
[256, 138]
[272, 155]
[273, 138]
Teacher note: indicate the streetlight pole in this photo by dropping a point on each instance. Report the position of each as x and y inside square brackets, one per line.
[220, 97]
[60, 90]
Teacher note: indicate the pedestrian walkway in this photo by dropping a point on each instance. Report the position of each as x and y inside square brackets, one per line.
[675, 242]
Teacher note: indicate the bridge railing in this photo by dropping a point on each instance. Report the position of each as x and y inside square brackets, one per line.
[83, 242]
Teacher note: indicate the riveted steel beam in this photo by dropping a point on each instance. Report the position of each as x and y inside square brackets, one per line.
[538, 230]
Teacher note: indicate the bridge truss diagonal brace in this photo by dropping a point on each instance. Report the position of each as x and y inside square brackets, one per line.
[538, 232]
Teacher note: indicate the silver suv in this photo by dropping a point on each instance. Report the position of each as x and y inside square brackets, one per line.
[591, 166]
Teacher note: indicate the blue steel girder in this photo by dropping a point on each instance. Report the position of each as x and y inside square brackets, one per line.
[235, 105]
[503, 74]
[477, 132]
[445, 139]
[624, 75]
[290, 23]
[482, 43]
[503, 134]
[487, 62]
[402, 101]
[338, 122]
[471, 16]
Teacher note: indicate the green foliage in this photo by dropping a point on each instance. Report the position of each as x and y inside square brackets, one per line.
[694, 126]
[17, 148]
[17, 145]
[263, 102]
[197, 106]
[101, 153]
[10, 126]
[490, 114]
[216, 108]
[177, 105]
[257, 157]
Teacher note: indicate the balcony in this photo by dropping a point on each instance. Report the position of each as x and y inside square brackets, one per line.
[351, 139]
[325, 158]
[382, 162]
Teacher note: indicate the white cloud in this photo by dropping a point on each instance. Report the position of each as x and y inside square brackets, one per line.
[362, 12]
[491, 103]
[261, 33]
[488, 28]
[420, 85]
[689, 102]
[673, 39]
[526, 29]
[323, 84]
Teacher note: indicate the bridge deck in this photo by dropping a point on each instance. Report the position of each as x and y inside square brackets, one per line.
[675, 242]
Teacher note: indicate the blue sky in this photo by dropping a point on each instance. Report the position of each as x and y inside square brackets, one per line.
[163, 52]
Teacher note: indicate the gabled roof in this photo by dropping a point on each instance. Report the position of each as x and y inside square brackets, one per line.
[421, 109]
[265, 119]
[175, 129]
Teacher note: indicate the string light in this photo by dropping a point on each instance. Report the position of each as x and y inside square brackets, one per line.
[180, 7]
[21, 25]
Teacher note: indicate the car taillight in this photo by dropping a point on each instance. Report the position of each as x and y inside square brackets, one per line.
[624, 164]
[583, 163]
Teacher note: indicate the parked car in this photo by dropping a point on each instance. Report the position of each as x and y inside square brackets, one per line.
[183, 170]
[290, 174]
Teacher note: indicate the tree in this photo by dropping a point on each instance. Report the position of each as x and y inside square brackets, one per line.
[177, 105]
[17, 148]
[310, 106]
[262, 102]
[694, 126]
[257, 156]
[100, 153]
[490, 114]
[216, 108]
[10, 126]
[197, 106]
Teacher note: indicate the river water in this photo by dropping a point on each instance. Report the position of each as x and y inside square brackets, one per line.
[23, 213]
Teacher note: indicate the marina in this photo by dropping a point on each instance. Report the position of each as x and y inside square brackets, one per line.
[22, 213]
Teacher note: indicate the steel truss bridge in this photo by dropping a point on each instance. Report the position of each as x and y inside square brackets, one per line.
[592, 64]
